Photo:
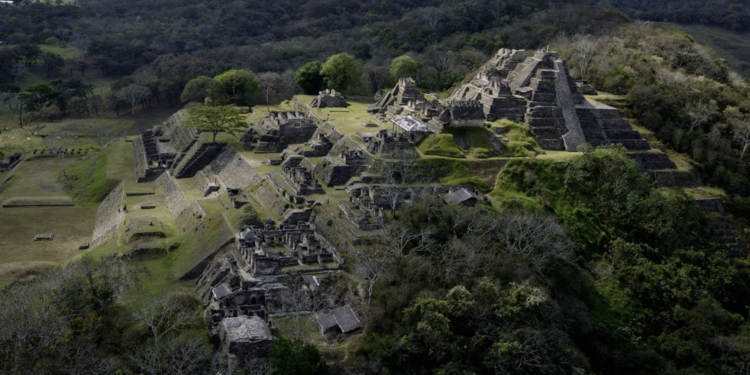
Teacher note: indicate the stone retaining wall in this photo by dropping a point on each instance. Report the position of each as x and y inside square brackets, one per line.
[189, 217]
[233, 170]
[271, 199]
[109, 216]
[173, 196]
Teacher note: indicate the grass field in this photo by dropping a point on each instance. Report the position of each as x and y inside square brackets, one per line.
[350, 120]
[35, 178]
[22, 255]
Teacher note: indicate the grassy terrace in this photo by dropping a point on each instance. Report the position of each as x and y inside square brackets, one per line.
[460, 157]
[350, 120]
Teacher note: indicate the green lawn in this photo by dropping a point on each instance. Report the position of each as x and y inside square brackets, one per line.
[350, 120]
[21, 255]
[35, 178]
[440, 145]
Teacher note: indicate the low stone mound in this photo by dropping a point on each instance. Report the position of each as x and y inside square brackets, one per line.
[38, 202]
[327, 99]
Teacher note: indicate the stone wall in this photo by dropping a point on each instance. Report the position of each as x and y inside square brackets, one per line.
[292, 217]
[224, 241]
[108, 216]
[233, 170]
[334, 235]
[190, 217]
[199, 156]
[267, 196]
[174, 129]
[565, 100]
[173, 196]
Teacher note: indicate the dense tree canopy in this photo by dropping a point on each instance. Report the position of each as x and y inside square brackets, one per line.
[341, 72]
[233, 86]
[308, 77]
[196, 90]
[403, 67]
[217, 119]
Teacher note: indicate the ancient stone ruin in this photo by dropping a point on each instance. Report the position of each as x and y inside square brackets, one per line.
[277, 130]
[387, 141]
[338, 169]
[341, 319]
[267, 250]
[243, 335]
[327, 99]
[10, 162]
[465, 195]
[539, 85]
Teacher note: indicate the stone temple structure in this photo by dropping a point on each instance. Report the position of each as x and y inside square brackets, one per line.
[327, 99]
[537, 88]
[405, 101]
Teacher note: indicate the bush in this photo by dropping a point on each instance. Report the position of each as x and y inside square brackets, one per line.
[296, 357]
[52, 41]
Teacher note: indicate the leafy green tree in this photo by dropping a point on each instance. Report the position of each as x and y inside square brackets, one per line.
[296, 357]
[341, 71]
[27, 53]
[217, 119]
[195, 90]
[53, 63]
[404, 66]
[233, 86]
[308, 77]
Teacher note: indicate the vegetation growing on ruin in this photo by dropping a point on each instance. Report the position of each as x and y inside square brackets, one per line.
[88, 179]
[440, 145]
[578, 264]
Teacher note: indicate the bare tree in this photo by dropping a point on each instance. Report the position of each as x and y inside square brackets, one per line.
[396, 170]
[431, 16]
[607, 45]
[133, 95]
[95, 102]
[537, 238]
[701, 111]
[377, 76]
[740, 123]
[18, 70]
[405, 240]
[147, 358]
[172, 314]
[268, 83]
[104, 134]
[59, 144]
[299, 302]
[585, 47]
[186, 354]
[9, 98]
[373, 264]
[732, 352]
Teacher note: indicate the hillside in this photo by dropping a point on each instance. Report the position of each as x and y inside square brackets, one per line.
[729, 45]
[320, 187]
[727, 14]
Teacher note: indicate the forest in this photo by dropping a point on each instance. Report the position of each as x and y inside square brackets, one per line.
[586, 267]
